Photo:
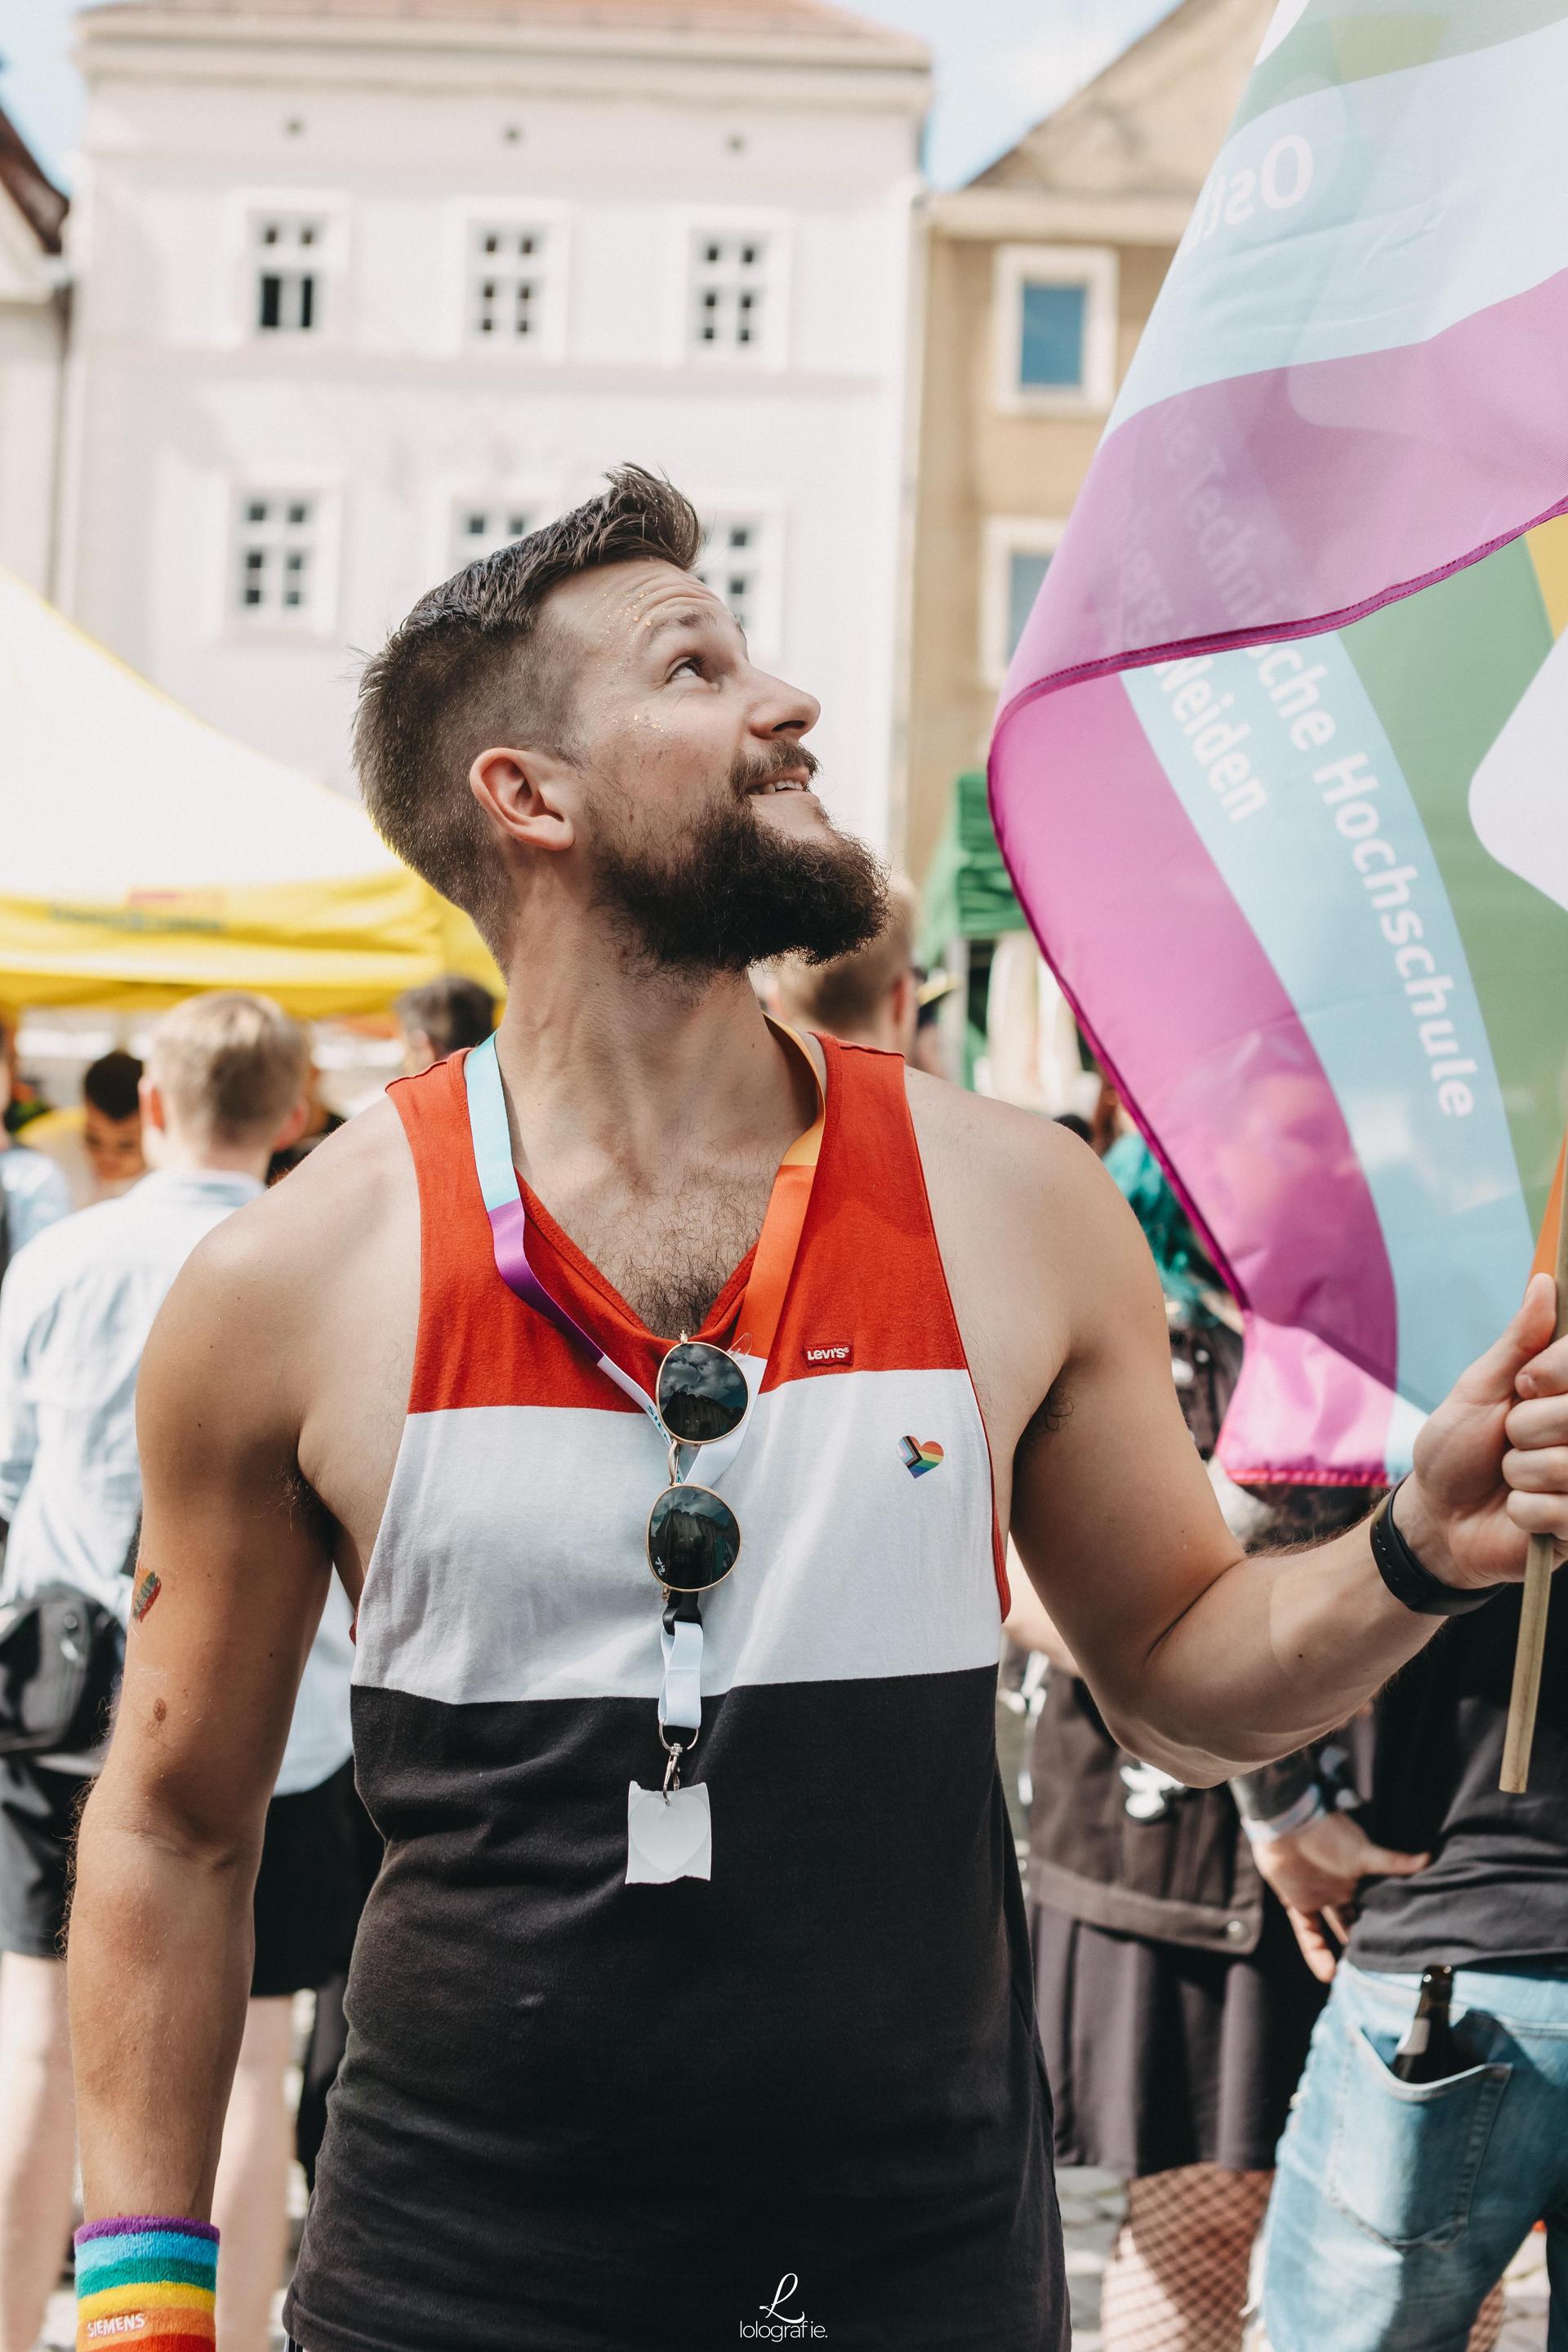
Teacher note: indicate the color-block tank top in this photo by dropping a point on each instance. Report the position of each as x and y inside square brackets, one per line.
[577, 2113]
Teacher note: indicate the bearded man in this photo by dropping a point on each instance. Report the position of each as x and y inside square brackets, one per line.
[692, 2002]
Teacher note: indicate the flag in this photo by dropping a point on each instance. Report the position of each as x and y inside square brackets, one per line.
[1280, 771]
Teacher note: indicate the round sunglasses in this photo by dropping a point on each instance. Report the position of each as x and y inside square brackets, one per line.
[693, 1535]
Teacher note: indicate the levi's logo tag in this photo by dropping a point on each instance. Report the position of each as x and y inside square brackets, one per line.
[838, 1351]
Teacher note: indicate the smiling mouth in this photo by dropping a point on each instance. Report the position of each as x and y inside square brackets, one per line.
[794, 782]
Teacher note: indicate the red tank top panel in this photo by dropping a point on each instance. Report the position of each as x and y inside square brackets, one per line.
[868, 1290]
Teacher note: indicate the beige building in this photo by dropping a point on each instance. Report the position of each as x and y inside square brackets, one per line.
[1041, 275]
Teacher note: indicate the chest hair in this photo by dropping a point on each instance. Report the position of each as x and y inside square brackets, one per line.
[670, 1253]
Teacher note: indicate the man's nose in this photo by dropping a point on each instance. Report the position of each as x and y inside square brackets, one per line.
[785, 709]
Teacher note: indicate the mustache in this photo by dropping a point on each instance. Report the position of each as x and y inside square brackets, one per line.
[780, 762]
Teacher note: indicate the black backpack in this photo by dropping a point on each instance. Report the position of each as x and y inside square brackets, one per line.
[60, 1654]
[60, 1660]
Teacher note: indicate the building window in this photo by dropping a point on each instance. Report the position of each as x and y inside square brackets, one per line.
[1026, 570]
[277, 555]
[506, 282]
[1050, 339]
[1056, 328]
[1017, 556]
[480, 527]
[729, 290]
[730, 564]
[289, 256]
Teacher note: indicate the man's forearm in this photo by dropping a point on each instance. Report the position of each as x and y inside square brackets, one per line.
[160, 1962]
[1278, 1650]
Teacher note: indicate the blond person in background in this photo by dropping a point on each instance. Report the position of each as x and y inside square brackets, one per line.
[871, 997]
[225, 1083]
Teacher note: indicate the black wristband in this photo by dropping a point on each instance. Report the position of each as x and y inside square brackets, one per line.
[1272, 1790]
[1415, 1586]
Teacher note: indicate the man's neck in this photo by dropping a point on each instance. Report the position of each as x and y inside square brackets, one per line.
[647, 1069]
[178, 1158]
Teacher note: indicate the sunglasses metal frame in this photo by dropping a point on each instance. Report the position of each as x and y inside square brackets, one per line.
[648, 1537]
[675, 1479]
[729, 1359]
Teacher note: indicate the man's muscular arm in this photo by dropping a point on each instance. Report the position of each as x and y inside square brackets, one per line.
[234, 1570]
[1203, 1661]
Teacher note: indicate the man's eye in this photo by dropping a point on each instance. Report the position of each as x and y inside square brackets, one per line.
[692, 662]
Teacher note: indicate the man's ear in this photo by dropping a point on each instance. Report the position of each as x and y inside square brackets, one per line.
[904, 1012]
[153, 1114]
[523, 792]
[293, 1127]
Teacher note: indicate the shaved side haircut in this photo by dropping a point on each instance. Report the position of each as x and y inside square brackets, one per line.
[451, 1010]
[472, 667]
[231, 1067]
[846, 996]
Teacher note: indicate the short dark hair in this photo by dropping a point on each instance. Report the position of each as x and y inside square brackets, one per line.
[844, 997]
[448, 682]
[111, 1083]
[451, 1012]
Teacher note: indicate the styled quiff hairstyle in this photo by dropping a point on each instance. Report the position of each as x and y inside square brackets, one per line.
[472, 667]
[230, 1066]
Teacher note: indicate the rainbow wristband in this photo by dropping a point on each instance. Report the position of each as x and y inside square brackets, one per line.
[145, 2279]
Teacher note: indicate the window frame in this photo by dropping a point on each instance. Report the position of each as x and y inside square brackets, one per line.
[764, 638]
[317, 620]
[1004, 537]
[771, 351]
[1095, 268]
[553, 219]
[247, 208]
[453, 494]
[471, 498]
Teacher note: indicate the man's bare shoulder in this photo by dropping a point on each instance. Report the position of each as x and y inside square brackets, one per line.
[1016, 1163]
[1040, 1247]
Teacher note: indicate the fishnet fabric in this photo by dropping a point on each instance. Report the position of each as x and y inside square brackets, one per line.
[1177, 2279]
[1489, 2321]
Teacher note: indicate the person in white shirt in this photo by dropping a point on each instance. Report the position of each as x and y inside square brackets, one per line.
[33, 1193]
[224, 1086]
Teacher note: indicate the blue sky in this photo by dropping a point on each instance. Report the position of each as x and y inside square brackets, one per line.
[1000, 64]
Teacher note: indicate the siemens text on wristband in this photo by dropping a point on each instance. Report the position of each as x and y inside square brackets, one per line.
[1415, 1586]
[146, 2277]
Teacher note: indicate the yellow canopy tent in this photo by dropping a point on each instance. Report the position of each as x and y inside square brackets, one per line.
[143, 856]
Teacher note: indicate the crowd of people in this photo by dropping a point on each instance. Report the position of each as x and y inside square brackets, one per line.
[1184, 1939]
[100, 1207]
[1289, 1964]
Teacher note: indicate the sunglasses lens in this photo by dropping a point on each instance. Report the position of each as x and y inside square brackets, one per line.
[693, 1539]
[702, 1392]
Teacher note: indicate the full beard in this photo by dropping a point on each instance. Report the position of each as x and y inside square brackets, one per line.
[733, 892]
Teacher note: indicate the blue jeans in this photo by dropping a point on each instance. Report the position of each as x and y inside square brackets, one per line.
[1398, 2206]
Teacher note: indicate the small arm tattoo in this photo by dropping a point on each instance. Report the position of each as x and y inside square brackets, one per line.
[146, 1592]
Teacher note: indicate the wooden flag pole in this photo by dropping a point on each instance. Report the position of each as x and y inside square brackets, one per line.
[1539, 1560]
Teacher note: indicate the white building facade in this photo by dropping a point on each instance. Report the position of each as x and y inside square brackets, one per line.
[33, 312]
[365, 288]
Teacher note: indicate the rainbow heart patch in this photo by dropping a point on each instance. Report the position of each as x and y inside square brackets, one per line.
[918, 1455]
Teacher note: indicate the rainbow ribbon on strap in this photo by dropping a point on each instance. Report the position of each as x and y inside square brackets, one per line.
[146, 2279]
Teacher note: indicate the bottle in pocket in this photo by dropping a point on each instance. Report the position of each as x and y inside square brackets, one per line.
[1427, 2053]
